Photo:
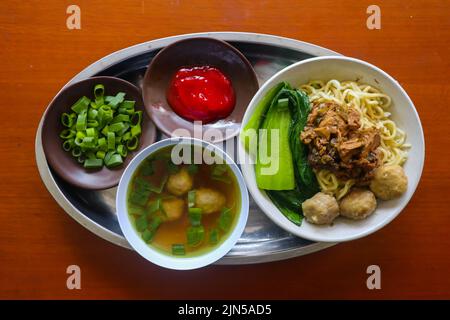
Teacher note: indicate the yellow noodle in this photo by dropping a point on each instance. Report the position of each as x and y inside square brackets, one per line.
[373, 106]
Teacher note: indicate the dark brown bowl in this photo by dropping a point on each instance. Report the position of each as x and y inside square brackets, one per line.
[61, 161]
[198, 52]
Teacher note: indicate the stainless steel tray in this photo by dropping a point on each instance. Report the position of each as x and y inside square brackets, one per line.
[262, 240]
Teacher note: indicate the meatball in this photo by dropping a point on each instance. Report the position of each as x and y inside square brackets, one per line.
[173, 209]
[209, 200]
[179, 183]
[320, 209]
[358, 204]
[389, 182]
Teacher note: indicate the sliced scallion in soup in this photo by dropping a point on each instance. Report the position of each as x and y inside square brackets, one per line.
[182, 210]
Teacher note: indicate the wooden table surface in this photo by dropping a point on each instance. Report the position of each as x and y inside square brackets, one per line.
[38, 240]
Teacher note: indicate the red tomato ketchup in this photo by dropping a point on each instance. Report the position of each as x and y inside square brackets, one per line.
[201, 94]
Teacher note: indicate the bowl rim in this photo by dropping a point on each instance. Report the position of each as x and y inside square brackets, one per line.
[154, 60]
[47, 113]
[277, 217]
[166, 260]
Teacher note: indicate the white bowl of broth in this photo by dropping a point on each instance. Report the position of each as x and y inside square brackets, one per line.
[182, 203]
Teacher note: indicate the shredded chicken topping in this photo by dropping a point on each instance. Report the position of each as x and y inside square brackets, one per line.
[337, 142]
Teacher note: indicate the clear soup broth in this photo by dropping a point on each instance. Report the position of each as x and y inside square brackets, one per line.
[186, 209]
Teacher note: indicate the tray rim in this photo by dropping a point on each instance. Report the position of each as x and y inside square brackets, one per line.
[131, 51]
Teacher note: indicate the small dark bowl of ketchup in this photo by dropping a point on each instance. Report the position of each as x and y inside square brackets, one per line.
[199, 80]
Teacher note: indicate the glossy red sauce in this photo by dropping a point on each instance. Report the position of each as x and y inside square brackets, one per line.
[201, 94]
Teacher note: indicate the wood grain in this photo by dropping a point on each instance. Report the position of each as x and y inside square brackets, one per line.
[38, 240]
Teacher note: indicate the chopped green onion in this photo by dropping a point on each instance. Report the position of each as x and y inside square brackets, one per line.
[67, 134]
[101, 144]
[80, 134]
[81, 122]
[116, 127]
[88, 142]
[195, 235]
[100, 154]
[178, 250]
[141, 191]
[90, 132]
[135, 130]
[155, 223]
[218, 170]
[147, 168]
[195, 216]
[67, 120]
[159, 189]
[108, 156]
[116, 100]
[127, 104]
[68, 144]
[76, 152]
[132, 144]
[111, 141]
[90, 155]
[121, 118]
[221, 179]
[92, 114]
[218, 173]
[141, 184]
[191, 199]
[124, 130]
[93, 163]
[81, 105]
[154, 206]
[92, 124]
[78, 141]
[147, 235]
[141, 223]
[105, 114]
[105, 130]
[122, 150]
[139, 198]
[136, 210]
[214, 236]
[126, 136]
[168, 197]
[136, 118]
[114, 161]
[225, 219]
[99, 91]
[129, 112]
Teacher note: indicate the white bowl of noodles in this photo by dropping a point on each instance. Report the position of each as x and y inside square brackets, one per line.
[399, 117]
